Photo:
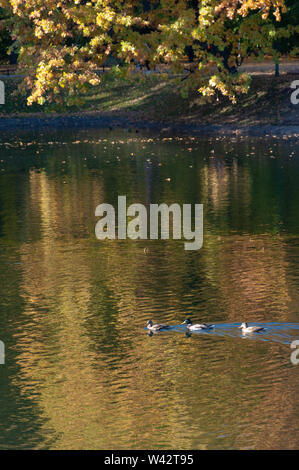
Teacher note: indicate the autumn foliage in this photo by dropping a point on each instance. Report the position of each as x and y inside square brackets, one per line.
[64, 43]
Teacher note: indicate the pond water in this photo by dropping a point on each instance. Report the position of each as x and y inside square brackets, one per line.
[80, 371]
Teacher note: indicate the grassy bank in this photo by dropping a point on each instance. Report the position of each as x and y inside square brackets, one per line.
[156, 98]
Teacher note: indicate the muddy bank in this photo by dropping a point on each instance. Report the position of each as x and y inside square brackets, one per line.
[69, 122]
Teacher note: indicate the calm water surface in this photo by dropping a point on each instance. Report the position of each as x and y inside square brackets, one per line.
[81, 372]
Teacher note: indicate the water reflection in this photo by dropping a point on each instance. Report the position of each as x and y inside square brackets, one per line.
[81, 371]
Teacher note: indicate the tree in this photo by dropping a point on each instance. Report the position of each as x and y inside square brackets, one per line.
[288, 29]
[64, 43]
[5, 39]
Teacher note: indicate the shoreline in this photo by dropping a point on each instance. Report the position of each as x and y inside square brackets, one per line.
[102, 121]
[155, 104]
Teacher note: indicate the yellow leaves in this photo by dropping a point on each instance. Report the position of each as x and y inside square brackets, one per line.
[242, 8]
[264, 6]
[206, 15]
[96, 41]
[105, 17]
[34, 14]
[128, 48]
[44, 27]
[94, 81]
[126, 20]
[63, 43]
[226, 84]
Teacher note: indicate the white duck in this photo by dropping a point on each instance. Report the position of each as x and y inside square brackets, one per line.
[251, 329]
[156, 327]
[197, 326]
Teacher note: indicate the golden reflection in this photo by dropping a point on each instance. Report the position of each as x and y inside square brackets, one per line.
[96, 377]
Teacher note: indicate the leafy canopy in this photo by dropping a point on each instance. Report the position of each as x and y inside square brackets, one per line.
[64, 43]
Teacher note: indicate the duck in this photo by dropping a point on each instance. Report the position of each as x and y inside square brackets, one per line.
[251, 329]
[156, 327]
[197, 326]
